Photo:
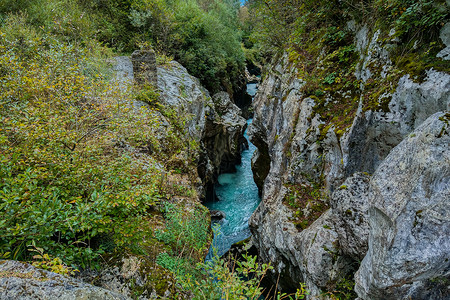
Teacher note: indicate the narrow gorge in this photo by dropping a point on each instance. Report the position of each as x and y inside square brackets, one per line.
[208, 150]
[235, 199]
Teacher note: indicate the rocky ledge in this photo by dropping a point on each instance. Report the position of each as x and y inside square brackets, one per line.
[20, 280]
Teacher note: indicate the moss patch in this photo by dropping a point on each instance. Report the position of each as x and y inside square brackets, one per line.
[28, 275]
[308, 203]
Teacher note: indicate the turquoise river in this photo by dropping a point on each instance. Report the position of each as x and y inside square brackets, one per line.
[237, 196]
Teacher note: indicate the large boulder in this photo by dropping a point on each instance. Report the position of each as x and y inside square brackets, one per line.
[409, 217]
[20, 280]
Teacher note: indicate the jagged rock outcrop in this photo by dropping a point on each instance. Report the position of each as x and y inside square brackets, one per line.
[223, 138]
[214, 123]
[375, 133]
[250, 78]
[144, 66]
[445, 37]
[184, 94]
[19, 280]
[409, 216]
[132, 276]
[217, 215]
[296, 147]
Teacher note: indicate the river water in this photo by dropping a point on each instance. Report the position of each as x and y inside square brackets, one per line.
[237, 196]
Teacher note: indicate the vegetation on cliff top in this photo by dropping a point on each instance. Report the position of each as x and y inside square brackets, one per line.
[319, 39]
[204, 36]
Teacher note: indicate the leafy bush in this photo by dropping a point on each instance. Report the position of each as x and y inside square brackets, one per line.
[149, 95]
[221, 282]
[63, 183]
[184, 232]
[207, 42]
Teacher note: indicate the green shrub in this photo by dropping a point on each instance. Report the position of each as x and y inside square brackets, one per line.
[63, 183]
[149, 95]
[184, 230]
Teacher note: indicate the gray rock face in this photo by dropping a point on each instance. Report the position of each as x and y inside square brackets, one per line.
[217, 215]
[251, 78]
[215, 123]
[350, 205]
[293, 149]
[20, 280]
[409, 216]
[445, 37]
[223, 138]
[184, 93]
[311, 256]
[374, 134]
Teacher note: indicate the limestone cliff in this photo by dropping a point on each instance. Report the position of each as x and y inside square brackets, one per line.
[409, 217]
[214, 123]
[310, 143]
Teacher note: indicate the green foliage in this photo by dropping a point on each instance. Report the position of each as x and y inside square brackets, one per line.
[203, 35]
[44, 261]
[301, 293]
[64, 19]
[277, 22]
[330, 78]
[412, 16]
[178, 265]
[149, 95]
[207, 42]
[308, 203]
[219, 281]
[343, 290]
[231, 279]
[64, 183]
[184, 232]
